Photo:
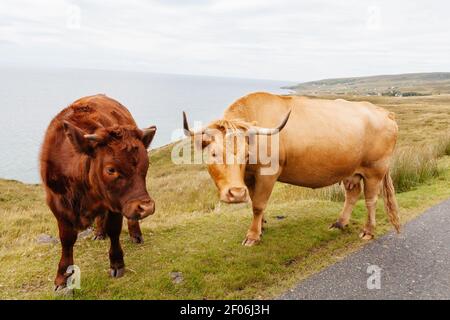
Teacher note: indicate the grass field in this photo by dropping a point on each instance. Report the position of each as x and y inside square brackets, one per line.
[192, 233]
[397, 84]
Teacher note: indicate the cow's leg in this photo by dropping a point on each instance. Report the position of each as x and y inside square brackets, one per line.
[352, 187]
[113, 226]
[250, 183]
[100, 233]
[68, 236]
[261, 194]
[135, 231]
[371, 191]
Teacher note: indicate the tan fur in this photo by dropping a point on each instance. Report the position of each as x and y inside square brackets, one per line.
[323, 143]
[229, 125]
[390, 202]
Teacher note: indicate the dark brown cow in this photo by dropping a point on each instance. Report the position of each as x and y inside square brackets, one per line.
[93, 165]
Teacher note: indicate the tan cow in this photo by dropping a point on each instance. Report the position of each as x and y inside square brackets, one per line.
[324, 142]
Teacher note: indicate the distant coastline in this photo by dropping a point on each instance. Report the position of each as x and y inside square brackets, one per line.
[405, 85]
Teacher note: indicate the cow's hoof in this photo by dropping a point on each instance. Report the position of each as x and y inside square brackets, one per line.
[63, 291]
[137, 239]
[365, 235]
[116, 272]
[99, 236]
[250, 242]
[337, 225]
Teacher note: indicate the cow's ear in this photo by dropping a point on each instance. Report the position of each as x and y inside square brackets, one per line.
[201, 141]
[206, 141]
[78, 138]
[147, 136]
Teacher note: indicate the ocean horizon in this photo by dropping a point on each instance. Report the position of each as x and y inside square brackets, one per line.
[30, 98]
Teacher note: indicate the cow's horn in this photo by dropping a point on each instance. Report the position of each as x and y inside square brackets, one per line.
[270, 131]
[92, 137]
[150, 130]
[187, 131]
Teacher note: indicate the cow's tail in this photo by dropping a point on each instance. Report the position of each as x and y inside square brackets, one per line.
[390, 202]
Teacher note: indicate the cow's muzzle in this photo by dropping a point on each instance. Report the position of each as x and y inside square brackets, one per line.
[138, 209]
[235, 195]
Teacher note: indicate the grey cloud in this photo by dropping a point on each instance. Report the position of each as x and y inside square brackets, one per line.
[285, 39]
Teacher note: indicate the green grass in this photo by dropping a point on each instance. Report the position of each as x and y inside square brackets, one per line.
[412, 84]
[413, 166]
[193, 233]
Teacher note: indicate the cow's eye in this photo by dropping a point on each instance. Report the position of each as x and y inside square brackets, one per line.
[111, 171]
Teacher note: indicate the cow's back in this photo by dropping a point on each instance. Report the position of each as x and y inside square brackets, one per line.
[324, 140]
[89, 112]
[58, 158]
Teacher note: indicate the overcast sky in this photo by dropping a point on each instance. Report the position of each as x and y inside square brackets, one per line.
[268, 39]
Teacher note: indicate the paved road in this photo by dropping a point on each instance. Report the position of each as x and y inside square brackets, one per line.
[414, 265]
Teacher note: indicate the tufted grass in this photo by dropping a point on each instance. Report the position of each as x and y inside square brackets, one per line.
[192, 233]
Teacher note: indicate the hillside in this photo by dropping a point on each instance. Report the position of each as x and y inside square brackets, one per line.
[410, 84]
[199, 239]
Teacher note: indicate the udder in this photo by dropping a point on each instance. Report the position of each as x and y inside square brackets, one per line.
[351, 182]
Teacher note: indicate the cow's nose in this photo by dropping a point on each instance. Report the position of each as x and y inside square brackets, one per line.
[237, 194]
[146, 208]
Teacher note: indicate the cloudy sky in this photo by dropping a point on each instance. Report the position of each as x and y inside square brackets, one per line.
[267, 39]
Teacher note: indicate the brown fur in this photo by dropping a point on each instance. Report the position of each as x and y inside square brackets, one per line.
[99, 178]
